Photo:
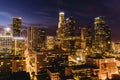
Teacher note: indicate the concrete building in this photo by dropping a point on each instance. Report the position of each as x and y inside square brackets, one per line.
[107, 65]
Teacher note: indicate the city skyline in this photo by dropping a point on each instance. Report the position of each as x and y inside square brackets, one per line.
[45, 12]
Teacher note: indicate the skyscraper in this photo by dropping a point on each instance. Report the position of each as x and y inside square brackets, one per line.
[36, 38]
[17, 26]
[69, 34]
[86, 37]
[42, 38]
[61, 24]
[60, 30]
[101, 34]
[69, 27]
[32, 38]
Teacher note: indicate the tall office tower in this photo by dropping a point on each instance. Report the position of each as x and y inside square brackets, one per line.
[60, 30]
[69, 34]
[17, 26]
[86, 37]
[32, 38]
[101, 34]
[36, 38]
[69, 27]
[42, 38]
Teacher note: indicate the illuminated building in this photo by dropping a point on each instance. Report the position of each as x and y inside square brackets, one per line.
[18, 64]
[69, 27]
[86, 37]
[42, 38]
[5, 44]
[102, 34]
[12, 63]
[77, 42]
[50, 42]
[69, 34]
[17, 27]
[32, 38]
[61, 25]
[116, 46]
[60, 31]
[107, 65]
[36, 38]
[54, 74]
[18, 46]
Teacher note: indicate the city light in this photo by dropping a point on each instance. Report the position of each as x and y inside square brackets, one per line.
[7, 29]
[86, 53]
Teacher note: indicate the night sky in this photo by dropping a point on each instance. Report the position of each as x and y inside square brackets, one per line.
[45, 12]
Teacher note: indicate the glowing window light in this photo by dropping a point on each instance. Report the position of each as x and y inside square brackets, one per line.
[4, 36]
[18, 38]
[78, 59]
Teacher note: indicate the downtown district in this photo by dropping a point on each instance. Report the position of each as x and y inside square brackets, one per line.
[83, 54]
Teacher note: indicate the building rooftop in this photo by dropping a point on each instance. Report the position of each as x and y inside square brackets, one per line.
[84, 66]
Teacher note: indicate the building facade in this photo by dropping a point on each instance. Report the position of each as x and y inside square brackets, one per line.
[86, 37]
[60, 30]
[36, 38]
[17, 27]
[69, 35]
[102, 34]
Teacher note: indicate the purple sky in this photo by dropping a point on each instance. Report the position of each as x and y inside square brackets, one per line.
[45, 12]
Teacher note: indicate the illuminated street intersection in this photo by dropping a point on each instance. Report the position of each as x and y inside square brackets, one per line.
[88, 54]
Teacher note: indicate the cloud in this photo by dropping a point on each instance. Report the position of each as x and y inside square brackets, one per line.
[5, 14]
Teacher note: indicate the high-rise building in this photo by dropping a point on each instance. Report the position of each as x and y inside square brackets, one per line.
[36, 38]
[60, 31]
[61, 24]
[69, 30]
[101, 34]
[17, 27]
[86, 37]
[69, 34]
[42, 38]
[32, 38]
